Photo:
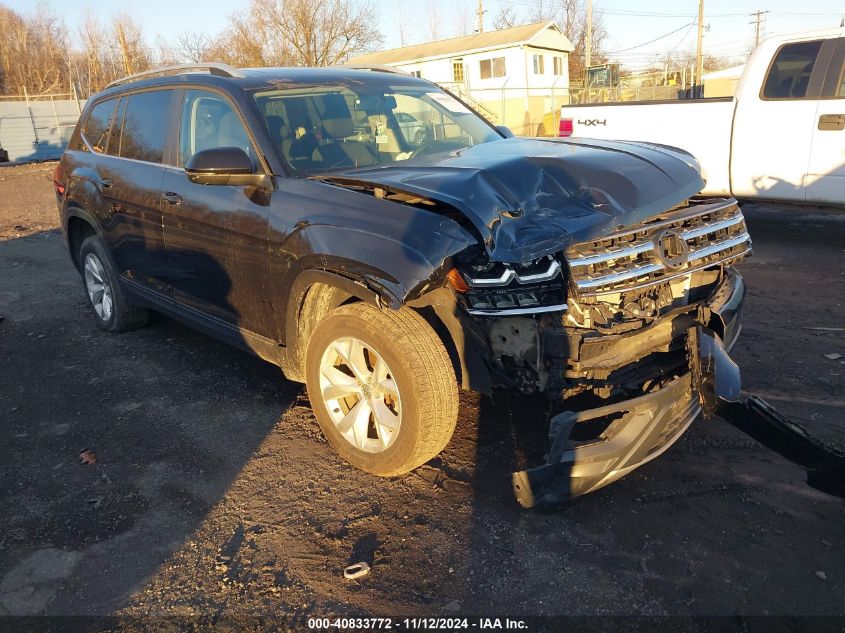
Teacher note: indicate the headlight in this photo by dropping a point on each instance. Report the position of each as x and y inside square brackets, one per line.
[501, 289]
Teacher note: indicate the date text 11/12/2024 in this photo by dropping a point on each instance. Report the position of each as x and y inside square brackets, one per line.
[417, 624]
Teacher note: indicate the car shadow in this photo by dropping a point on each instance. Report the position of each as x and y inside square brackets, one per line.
[166, 416]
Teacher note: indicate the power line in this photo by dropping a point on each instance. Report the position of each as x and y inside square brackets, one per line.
[630, 48]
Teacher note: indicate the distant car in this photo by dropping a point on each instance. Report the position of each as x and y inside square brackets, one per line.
[412, 129]
[385, 273]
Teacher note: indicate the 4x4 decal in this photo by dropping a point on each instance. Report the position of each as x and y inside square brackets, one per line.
[590, 122]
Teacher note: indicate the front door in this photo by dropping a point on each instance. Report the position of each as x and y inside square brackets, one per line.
[826, 173]
[772, 136]
[216, 235]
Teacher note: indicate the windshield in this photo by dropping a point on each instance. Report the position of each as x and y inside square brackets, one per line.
[318, 129]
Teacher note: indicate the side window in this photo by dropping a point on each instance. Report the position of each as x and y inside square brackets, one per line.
[96, 129]
[114, 139]
[208, 121]
[837, 70]
[789, 74]
[145, 126]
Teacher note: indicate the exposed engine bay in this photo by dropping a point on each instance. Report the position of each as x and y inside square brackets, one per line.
[608, 320]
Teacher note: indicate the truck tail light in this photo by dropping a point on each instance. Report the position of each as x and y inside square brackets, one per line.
[566, 128]
[57, 180]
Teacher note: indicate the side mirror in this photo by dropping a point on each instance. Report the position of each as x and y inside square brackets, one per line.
[224, 166]
[504, 131]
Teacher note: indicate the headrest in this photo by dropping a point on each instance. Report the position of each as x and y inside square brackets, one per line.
[339, 128]
[277, 127]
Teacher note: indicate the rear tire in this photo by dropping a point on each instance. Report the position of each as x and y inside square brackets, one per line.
[112, 311]
[382, 387]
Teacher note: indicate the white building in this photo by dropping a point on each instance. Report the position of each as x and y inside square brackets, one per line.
[513, 76]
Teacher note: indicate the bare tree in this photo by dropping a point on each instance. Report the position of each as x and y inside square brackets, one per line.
[33, 52]
[94, 67]
[464, 23]
[165, 53]
[434, 20]
[248, 42]
[318, 32]
[127, 36]
[36, 55]
[402, 23]
[506, 17]
[192, 47]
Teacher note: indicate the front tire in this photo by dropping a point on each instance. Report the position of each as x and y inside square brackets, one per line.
[112, 310]
[382, 387]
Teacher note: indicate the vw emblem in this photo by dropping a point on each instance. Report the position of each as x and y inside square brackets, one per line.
[671, 248]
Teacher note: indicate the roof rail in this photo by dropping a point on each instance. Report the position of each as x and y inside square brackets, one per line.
[213, 68]
[377, 68]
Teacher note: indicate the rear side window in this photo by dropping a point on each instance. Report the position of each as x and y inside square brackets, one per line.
[96, 129]
[145, 126]
[789, 74]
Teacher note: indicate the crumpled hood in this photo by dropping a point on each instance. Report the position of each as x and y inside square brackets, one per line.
[534, 197]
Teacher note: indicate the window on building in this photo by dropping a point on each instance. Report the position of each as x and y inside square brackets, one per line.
[492, 67]
[790, 72]
[558, 65]
[145, 126]
[96, 130]
[539, 64]
[458, 71]
[416, 73]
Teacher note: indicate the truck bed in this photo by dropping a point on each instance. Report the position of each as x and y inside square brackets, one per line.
[699, 126]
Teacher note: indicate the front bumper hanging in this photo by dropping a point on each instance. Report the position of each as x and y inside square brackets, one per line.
[645, 427]
[642, 428]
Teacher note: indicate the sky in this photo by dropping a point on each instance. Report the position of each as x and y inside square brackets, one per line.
[630, 26]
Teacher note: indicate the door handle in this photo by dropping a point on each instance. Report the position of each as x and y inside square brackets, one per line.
[172, 198]
[106, 182]
[832, 122]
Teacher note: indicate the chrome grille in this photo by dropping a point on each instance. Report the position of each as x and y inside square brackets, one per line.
[710, 232]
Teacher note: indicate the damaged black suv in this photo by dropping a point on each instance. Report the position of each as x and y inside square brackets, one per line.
[380, 241]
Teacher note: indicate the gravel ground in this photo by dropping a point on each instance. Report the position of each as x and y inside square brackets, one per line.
[213, 492]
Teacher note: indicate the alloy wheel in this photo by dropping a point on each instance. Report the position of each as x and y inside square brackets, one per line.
[360, 394]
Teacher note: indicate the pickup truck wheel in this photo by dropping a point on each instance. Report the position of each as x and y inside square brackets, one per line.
[111, 309]
[382, 387]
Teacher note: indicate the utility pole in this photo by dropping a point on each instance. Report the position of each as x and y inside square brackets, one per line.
[699, 53]
[588, 40]
[480, 17]
[757, 23]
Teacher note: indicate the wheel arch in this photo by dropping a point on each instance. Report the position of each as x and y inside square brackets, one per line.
[79, 226]
[313, 295]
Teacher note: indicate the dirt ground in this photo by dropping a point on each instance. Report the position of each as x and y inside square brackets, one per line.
[213, 492]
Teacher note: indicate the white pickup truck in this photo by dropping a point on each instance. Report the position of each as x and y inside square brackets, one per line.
[782, 137]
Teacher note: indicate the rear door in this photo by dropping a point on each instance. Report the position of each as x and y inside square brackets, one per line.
[216, 235]
[773, 129]
[826, 173]
[132, 185]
